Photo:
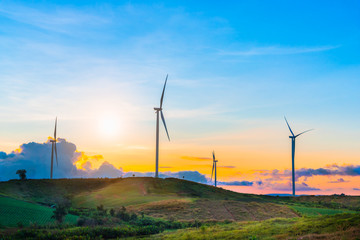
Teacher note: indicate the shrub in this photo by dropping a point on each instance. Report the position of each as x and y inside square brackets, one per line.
[112, 212]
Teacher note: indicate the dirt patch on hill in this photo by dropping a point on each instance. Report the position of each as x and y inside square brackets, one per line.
[185, 209]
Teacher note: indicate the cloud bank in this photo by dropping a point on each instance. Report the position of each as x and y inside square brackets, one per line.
[35, 158]
[332, 170]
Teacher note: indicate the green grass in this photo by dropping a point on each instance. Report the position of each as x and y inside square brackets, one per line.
[340, 226]
[120, 194]
[136, 191]
[48, 191]
[13, 212]
[172, 198]
[310, 211]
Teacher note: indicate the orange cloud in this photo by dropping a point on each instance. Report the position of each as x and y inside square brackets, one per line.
[84, 162]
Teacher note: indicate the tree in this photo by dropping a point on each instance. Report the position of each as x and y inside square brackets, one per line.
[22, 174]
[59, 213]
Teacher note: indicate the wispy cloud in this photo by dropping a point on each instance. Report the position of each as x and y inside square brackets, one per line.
[195, 158]
[340, 180]
[276, 50]
[237, 183]
[226, 166]
[55, 20]
[332, 170]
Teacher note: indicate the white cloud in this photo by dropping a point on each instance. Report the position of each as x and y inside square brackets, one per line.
[276, 50]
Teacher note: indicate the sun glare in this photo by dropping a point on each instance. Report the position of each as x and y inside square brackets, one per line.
[108, 126]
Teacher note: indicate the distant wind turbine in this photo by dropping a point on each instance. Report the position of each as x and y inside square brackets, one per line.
[293, 137]
[214, 167]
[53, 148]
[159, 110]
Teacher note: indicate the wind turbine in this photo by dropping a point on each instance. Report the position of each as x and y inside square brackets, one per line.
[159, 110]
[53, 148]
[214, 167]
[293, 137]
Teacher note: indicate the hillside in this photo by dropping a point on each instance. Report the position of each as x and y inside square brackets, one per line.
[342, 226]
[168, 198]
[15, 213]
[167, 209]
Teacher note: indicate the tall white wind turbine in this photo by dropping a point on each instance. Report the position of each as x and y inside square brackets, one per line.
[53, 148]
[159, 110]
[214, 167]
[293, 137]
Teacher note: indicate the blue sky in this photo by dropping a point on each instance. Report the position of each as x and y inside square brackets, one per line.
[235, 68]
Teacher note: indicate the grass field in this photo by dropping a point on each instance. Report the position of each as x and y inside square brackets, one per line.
[120, 194]
[14, 212]
[309, 211]
[208, 209]
[219, 213]
[341, 226]
[173, 199]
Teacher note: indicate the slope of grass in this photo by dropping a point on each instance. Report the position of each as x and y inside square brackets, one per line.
[341, 226]
[48, 191]
[208, 209]
[310, 211]
[14, 212]
[170, 198]
[125, 192]
[332, 201]
[134, 191]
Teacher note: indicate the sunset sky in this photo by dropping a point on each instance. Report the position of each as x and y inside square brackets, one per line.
[235, 69]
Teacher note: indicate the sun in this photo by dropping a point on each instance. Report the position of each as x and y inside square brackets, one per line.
[108, 126]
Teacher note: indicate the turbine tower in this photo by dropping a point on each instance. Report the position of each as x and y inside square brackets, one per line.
[214, 167]
[53, 148]
[159, 110]
[293, 137]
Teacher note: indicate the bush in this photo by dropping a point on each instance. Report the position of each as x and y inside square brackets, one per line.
[112, 212]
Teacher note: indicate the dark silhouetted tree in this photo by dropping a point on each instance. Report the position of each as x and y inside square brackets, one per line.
[59, 213]
[22, 174]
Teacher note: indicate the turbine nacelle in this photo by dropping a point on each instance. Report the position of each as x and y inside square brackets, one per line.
[158, 109]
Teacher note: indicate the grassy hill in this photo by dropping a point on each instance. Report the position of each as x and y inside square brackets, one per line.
[342, 226]
[157, 205]
[171, 198]
[15, 213]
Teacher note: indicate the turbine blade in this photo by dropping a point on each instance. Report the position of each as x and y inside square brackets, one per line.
[213, 156]
[55, 129]
[162, 95]
[163, 120]
[56, 154]
[289, 126]
[212, 172]
[304, 132]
